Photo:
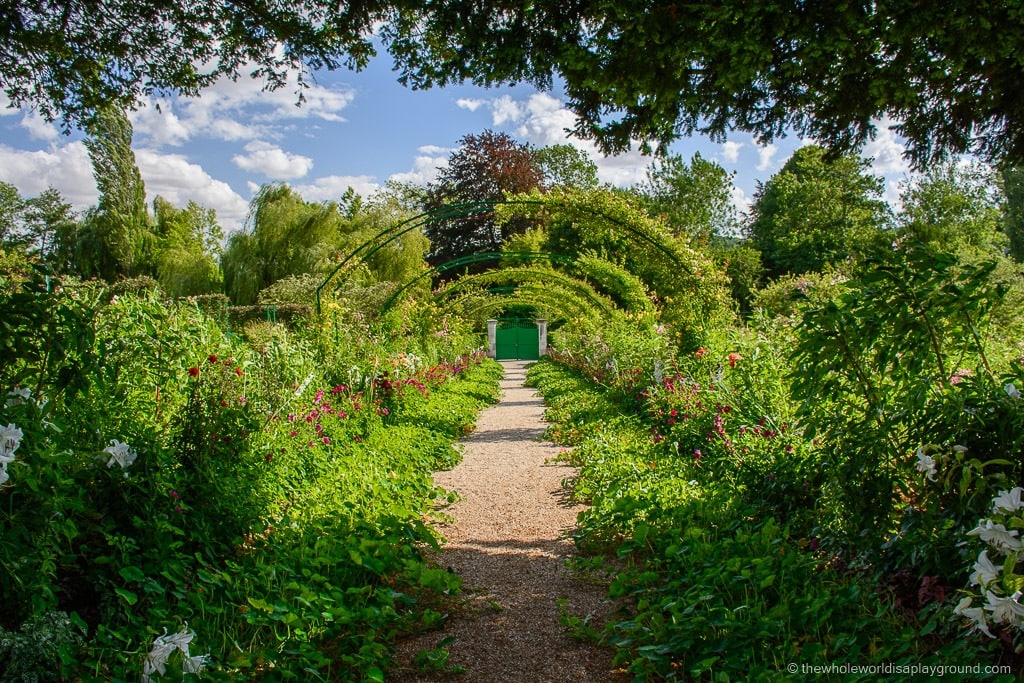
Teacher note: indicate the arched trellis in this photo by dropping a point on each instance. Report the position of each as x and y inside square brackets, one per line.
[388, 235]
[527, 274]
[553, 299]
[470, 260]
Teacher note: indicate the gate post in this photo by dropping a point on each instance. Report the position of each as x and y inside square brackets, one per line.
[542, 337]
[492, 338]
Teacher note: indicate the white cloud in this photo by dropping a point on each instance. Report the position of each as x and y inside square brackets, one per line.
[766, 155]
[731, 151]
[38, 128]
[236, 110]
[545, 121]
[887, 151]
[425, 166]
[472, 104]
[159, 124]
[176, 179]
[740, 200]
[506, 110]
[272, 161]
[623, 170]
[5, 105]
[331, 188]
[66, 168]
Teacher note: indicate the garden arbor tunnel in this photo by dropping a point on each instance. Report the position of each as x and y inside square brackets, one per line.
[390, 234]
[580, 288]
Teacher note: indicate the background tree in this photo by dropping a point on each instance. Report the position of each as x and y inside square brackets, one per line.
[646, 71]
[953, 207]
[484, 168]
[566, 166]
[12, 208]
[49, 220]
[816, 211]
[284, 235]
[116, 231]
[694, 199]
[1013, 218]
[188, 249]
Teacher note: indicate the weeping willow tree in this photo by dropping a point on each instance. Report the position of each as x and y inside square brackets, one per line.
[284, 235]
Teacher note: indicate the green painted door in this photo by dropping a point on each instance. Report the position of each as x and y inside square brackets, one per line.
[517, 340]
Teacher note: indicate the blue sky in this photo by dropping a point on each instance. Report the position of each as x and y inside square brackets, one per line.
[355, 129]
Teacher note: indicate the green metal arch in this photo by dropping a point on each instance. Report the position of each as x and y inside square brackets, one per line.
[526, 294]
[564, 281]
[469, 260]
[388, 235]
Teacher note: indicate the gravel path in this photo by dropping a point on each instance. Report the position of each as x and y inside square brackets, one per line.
[508, 544]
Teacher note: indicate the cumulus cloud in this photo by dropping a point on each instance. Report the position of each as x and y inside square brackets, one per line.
[65, 167]
[176, 179]
[472, 104]
[766, 156]
[886, 150]
[38, 128]
[731, 151]
[505, 110]
[236, 110]
[331, 188]
[272, 161]
[425, 166]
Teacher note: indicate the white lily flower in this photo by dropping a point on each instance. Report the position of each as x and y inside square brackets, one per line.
[1005, 610]
[19, 396]
[997, 536]
[120, 453]
[959, 449]
[194, 665]
[926, 464]
[975, 614]
[4, 477]
[984, 571]
[1012, 391]
[1008, 501]
[166, 645]
[10, 439]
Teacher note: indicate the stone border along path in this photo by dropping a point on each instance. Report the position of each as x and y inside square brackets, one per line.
[508, 543]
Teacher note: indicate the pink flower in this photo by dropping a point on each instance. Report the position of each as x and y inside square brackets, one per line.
[733, 358]
[326, 440]
[701, 352]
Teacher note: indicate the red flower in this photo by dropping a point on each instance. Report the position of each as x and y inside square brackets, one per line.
[212, 358]
[238, 371]
[193, 372]
[701, 352]
[732, 358]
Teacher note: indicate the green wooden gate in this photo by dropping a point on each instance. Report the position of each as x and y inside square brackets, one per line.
[517, 340]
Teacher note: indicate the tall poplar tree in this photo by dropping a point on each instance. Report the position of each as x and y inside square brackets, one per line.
[119, 224]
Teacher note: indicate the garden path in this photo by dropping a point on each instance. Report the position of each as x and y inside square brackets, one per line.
[508, 543]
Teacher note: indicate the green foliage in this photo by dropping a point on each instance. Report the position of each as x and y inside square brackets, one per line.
[953, 207]
[166, 472]
[484, 168]
[120, 224]
[187, 249]
[566, 166]
[817, 211]
[661, 73]
[694, 200]
[709, 515]
[742, 265]
[880, 370]
[687, 284]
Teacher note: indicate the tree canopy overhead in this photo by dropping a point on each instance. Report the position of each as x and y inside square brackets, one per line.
[947, 73]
